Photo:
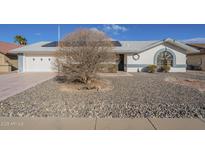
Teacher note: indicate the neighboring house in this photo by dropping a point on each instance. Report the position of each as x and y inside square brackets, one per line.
[134, 55]
[8, 60]
[199, 46]
[196, 61]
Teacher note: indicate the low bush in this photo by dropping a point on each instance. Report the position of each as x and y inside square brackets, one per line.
[164, 68]
[151, 68]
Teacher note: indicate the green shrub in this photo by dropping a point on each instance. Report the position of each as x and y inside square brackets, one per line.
[151, 68]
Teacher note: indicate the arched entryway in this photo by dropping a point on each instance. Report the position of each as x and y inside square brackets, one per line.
[165, 57]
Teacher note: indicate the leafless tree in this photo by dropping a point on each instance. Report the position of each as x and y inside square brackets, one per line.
[81, 52]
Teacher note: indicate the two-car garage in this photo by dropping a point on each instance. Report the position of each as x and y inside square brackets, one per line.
[37, 57]
[36, 63]
[39, 63]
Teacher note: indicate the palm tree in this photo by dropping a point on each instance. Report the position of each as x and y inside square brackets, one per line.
[20, 40]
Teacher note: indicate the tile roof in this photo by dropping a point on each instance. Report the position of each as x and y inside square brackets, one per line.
[121, 47]
[141, 46]
[52, 46]
[133, 46]
[6, 47]
[36, 47]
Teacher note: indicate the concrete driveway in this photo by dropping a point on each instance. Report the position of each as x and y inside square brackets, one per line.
[14, 83]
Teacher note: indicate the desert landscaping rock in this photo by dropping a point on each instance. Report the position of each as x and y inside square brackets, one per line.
[139, 95]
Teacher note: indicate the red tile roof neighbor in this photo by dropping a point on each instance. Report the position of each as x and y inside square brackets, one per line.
[6, 47]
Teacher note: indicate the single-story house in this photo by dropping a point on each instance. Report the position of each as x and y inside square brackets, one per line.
[8, 60]
[196, 61]
[134, 55]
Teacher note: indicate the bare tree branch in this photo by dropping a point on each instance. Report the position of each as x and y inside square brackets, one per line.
[81, 52]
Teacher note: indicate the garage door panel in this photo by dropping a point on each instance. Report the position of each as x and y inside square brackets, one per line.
[39, 64]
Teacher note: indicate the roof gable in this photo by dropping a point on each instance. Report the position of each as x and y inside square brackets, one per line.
[142, 46]
[187, 48]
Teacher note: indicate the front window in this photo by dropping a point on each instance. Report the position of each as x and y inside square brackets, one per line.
[165, 58]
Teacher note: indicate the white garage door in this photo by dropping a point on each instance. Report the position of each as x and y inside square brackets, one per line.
[39, 64]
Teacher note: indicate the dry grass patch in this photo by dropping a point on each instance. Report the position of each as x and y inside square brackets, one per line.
[196, 84]
[94, 85]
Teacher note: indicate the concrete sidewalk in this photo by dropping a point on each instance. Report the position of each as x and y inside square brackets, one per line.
[11, 123]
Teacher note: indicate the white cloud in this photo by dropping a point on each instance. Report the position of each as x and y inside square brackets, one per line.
[100, 31]
[96, 30]
[195, 40]
[116, 29]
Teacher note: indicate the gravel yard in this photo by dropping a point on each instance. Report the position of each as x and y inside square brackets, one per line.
[140, 95]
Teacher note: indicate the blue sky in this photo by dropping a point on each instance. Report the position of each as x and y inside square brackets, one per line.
[43, 32]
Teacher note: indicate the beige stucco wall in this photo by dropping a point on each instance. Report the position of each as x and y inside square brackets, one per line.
[14, 62]
[196, 60]
[5, 66]
[2, 58]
